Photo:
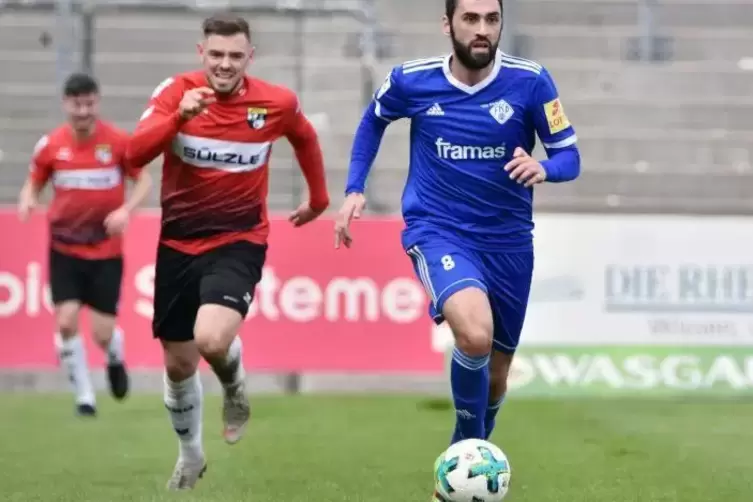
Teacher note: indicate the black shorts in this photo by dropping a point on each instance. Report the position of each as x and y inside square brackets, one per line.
[226, 276]
[95, 283]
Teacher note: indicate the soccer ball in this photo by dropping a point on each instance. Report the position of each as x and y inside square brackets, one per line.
[472, 470]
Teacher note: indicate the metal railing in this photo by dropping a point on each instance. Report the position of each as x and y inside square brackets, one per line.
[76, 24]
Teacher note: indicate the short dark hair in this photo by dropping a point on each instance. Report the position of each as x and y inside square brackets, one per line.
[80, 84]
[450, 6]
[225, 25]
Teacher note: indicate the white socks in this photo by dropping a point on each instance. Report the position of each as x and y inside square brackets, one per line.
[72, 354]
[115, 353]
[230, 372]
[183, 401]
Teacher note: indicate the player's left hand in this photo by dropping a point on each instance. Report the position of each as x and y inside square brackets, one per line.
[304, 214]
[525, 169]
[117, 221]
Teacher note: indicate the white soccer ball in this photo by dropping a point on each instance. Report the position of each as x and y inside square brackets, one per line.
[472, 470]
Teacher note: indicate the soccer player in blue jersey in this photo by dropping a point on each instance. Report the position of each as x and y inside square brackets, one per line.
[468, 200]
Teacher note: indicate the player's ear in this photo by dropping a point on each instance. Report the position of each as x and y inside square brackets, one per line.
[251, 53]
[200, 49]
[446, 28]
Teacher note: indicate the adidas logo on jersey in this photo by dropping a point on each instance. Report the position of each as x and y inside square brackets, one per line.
[435, 110]
[447, 150]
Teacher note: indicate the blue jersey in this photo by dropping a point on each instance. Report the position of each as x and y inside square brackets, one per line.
[461, 137]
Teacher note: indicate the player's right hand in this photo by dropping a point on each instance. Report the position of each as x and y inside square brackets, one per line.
[305, 214]
[352, 208]
[195, 101]
[25, 207]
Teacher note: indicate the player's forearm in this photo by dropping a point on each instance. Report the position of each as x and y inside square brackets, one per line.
[151, 137]
[30, 191]
[366, 143]
[562, 166]
[310, 159]
[140, 191]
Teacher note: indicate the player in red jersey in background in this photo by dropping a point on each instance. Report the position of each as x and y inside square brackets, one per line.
[216, 128]
[84, 159]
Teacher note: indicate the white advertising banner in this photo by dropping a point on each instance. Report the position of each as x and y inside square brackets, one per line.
[641, 280]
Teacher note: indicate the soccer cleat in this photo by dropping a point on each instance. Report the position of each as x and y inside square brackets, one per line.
[86, 410]
[186, 474]
[117, 376]
[235, 413]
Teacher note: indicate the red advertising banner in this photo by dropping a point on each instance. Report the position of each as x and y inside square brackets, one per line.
[316, 308]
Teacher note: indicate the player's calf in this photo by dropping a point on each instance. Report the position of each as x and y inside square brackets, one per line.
[216, 338]
[110, 339]
[499, 369]
[469, 315]
[72, 355]
[66, 318]
[183, 398]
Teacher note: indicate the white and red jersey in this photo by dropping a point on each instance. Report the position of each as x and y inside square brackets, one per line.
[216, 165]
[88, 179]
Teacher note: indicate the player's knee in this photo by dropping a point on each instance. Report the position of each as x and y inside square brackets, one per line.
[67, 325]
[213, 341]
[215, 329]
[66, 318]
[181, 360]
[212, 345]
[470, 316]
[474, 335]
[474, 339]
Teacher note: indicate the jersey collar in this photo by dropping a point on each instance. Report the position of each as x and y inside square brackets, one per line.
[471, 89]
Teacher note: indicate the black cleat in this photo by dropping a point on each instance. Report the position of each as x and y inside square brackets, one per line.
[86, 410]
[118, 378]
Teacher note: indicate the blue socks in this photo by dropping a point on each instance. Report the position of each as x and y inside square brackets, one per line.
[469, 379]
[491, 415]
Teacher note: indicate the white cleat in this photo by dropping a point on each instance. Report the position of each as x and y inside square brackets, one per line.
[186, 474]
[235, 413]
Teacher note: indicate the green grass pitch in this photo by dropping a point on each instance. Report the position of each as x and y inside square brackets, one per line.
[369, 449]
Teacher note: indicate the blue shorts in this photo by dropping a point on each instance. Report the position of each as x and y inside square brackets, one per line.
[444, 266]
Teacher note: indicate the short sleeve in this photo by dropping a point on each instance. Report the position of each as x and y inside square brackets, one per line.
[41, 166]
[390, 101]
[551, 122]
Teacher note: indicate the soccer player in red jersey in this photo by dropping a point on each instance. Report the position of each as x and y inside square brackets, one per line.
[216, 128]
[84, 160]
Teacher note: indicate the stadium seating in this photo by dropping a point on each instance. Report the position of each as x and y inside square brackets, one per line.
[668, 135]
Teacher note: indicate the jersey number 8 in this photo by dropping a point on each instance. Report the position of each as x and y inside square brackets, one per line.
[447, 262]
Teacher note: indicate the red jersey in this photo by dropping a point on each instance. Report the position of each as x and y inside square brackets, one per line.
[87, 176]
[216, 165]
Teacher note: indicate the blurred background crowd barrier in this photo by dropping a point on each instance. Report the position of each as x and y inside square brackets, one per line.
[659, 90]
[643, 278]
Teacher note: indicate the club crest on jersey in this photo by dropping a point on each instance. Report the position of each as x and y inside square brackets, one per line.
[501, 111]
[103, 154]
[256, 117]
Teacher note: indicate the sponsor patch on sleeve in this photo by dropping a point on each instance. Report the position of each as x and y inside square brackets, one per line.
[555, 116]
